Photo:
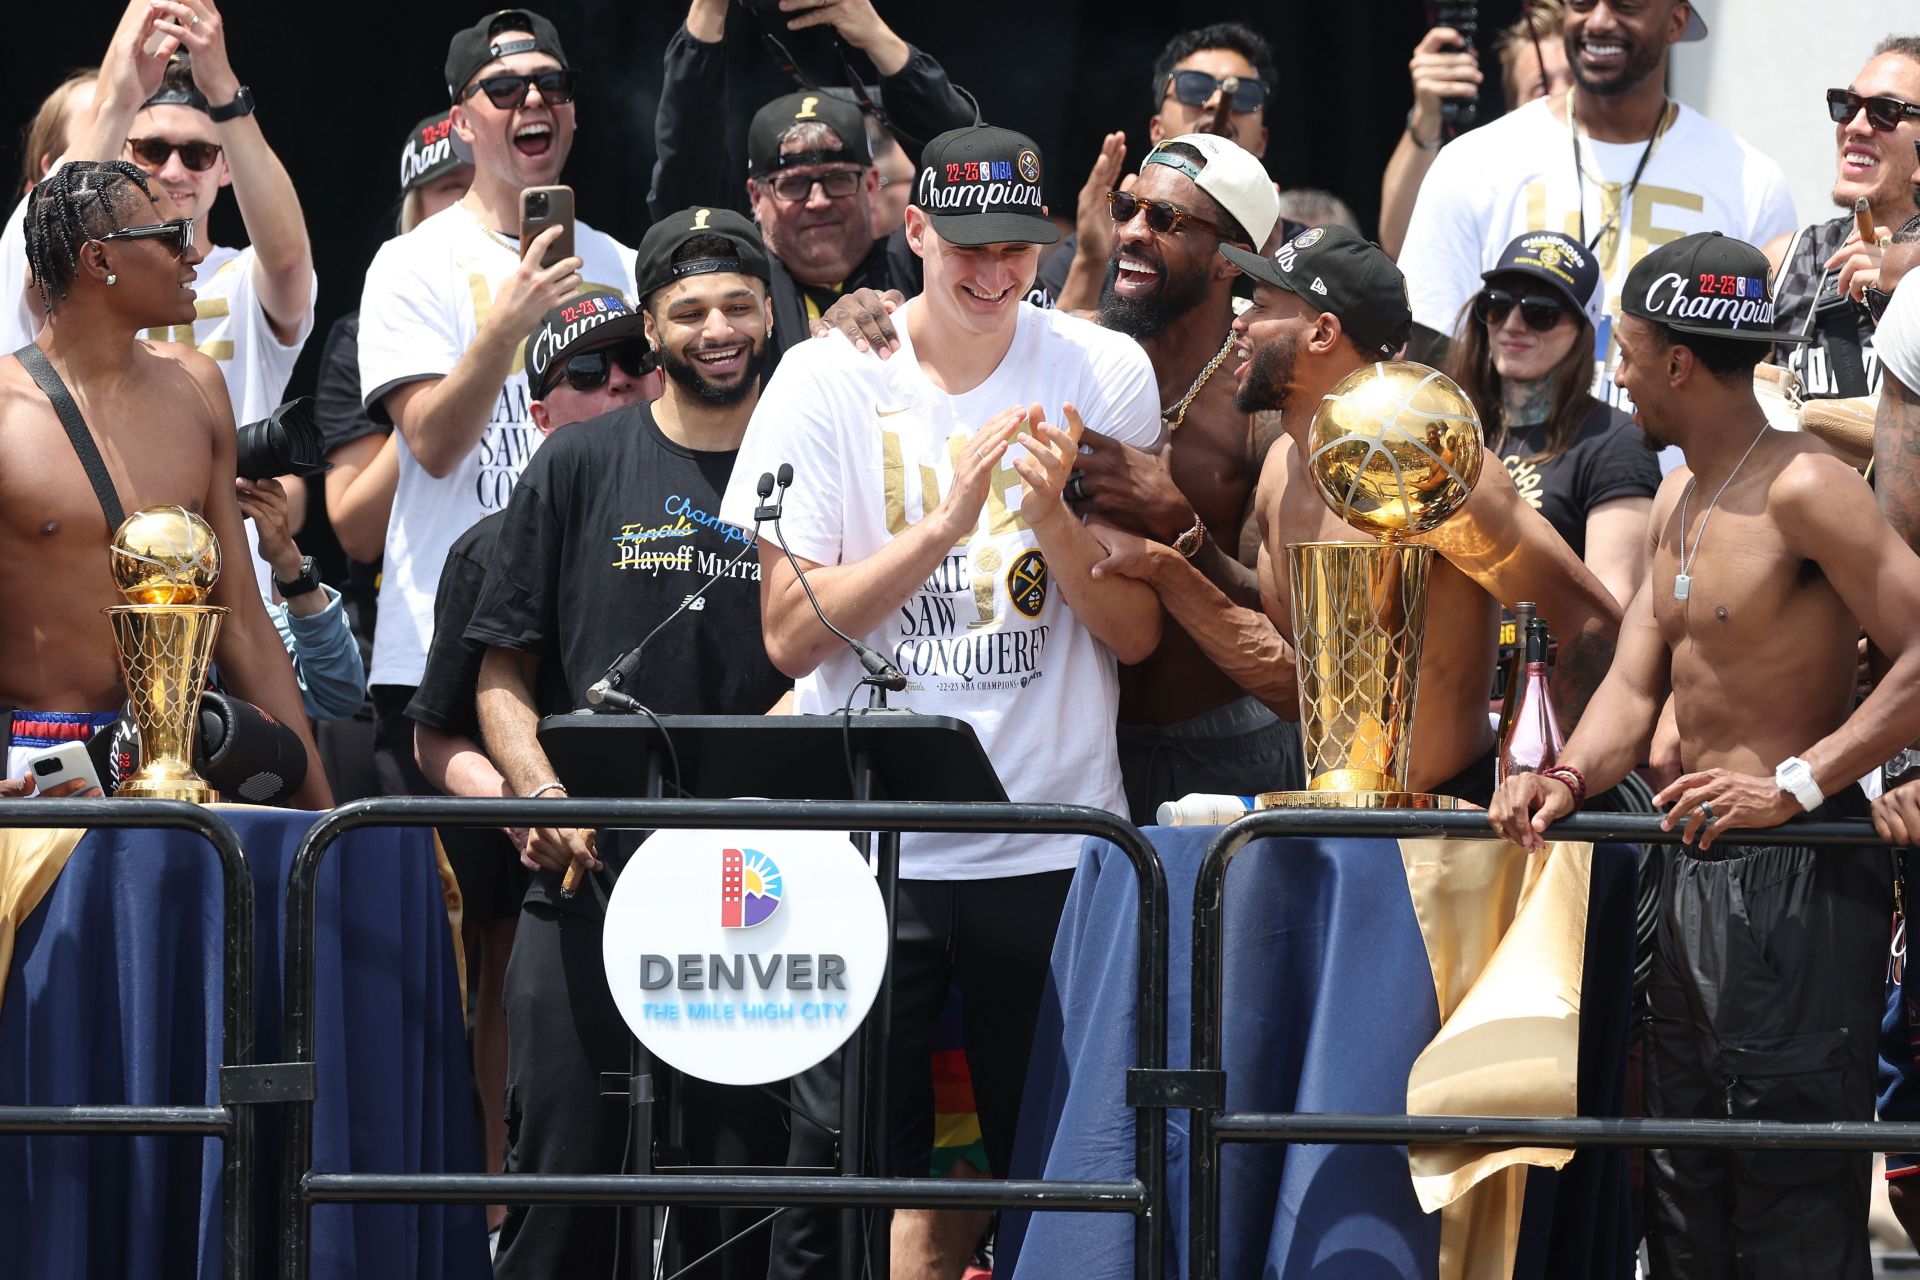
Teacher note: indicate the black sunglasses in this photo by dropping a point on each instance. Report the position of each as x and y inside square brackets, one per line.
[508, 91]
[791, 188]
[1883, 113]
[178, 232]
[590, 370]
[152, 153]
[1194, 88]
[1540, 312]
[1162, 218]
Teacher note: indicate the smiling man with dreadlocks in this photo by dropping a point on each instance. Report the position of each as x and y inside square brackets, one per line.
[108, 261]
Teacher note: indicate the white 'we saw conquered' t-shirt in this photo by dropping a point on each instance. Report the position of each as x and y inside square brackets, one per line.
[987, 638]
[1516, 174]
[426, 295]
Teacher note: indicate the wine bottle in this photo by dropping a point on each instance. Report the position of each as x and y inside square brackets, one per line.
[1532, 741]
[1516, 669]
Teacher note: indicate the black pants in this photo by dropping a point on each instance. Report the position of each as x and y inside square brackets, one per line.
[1764, 1002]
[991, 938]
[563, 1030]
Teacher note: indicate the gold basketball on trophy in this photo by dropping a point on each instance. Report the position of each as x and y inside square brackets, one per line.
[1395, 448]
[165, 555]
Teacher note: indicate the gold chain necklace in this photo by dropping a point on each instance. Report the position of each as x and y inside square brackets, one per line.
[1176, 415]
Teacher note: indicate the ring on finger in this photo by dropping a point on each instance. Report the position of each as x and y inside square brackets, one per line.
[193, 19]
[1706, 811]
[1076, 488]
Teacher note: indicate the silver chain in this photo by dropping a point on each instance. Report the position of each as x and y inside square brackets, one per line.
[1686, 560]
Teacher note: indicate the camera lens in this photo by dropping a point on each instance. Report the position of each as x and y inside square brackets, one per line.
[537, 203]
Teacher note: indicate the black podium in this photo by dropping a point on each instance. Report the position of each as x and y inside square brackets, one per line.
[877, 754]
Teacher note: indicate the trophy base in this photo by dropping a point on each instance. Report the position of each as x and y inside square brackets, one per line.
[190, 788]
[1356, 800]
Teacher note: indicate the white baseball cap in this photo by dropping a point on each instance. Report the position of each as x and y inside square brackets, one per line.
[1230, 174]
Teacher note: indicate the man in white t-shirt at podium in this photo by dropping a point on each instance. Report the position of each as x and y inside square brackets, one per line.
[926, 510]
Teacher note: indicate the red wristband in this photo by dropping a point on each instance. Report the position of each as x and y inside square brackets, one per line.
[1574, 780]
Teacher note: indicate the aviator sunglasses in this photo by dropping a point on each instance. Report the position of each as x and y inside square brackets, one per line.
[174, 236]
[1162, 218]
[152, 153]
[1194, 88]
[1537, 310]
[508, 91]
[1883, 113]
[590, 370]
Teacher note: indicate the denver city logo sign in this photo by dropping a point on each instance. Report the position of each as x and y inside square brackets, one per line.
[745, 957]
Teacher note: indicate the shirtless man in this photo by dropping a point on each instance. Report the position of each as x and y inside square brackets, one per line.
[1766, 991]
[108, 264]
[1325, 304]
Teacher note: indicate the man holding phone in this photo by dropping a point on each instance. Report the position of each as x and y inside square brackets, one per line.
[444, 316]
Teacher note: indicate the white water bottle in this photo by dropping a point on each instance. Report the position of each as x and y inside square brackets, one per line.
[1203, 810]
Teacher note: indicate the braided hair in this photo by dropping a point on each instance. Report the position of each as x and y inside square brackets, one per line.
[78, 202]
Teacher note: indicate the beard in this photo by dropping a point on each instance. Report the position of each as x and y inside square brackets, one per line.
[1642, 60]
[687, 375]
[1268, 377]
[1153, 315]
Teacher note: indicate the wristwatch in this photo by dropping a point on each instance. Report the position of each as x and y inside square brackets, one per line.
[1795, 777]
[242, 105]
[1189, 543]
[308, 581]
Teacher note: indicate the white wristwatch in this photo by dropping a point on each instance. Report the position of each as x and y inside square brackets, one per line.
[1795, 777]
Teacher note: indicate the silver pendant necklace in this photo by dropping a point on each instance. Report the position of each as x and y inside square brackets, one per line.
[1683, 581]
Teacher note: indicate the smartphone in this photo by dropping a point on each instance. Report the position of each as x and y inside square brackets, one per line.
[68, 762]
[543, 207]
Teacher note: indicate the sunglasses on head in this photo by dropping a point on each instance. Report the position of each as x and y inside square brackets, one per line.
[1162, 218]
[174, 236]
[152, 153]
[590, 370]
[792, 188]
[1194, 88]
[1883, 113]
[508, 90]
[1539, 311]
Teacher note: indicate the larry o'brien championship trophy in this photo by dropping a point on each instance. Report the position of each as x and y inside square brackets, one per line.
[165, 562]
[1395, 449]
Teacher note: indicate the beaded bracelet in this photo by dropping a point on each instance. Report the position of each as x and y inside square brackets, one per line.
[1574, 780]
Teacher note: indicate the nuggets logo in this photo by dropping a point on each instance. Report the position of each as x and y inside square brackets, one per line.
[1027, 584]
[749, 888]
[1308, 238]
[1029, 166]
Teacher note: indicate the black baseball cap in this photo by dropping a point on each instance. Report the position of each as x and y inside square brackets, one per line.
[475, 47]
[592, 320]
[1342, 273]
[655, 268]
[1706, 284]
[981, 185]
[772, 122]
[1558, 261]
[432, 149]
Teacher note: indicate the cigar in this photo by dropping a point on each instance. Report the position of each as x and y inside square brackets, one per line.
[570, 883]
[1863, 220]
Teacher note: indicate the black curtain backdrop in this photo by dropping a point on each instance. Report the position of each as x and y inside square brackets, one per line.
[339, 84]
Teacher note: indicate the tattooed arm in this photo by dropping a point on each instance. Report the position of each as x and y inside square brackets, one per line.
[1896, 457]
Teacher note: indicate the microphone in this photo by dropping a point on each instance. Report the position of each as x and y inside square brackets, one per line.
[607, 689]
[881, 673]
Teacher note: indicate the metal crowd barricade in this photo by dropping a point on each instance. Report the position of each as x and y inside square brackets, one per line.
[1213, 1126]
[1151, 1089]
[242, 1085]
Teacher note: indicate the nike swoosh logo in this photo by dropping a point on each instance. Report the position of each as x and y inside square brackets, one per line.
[888, 413]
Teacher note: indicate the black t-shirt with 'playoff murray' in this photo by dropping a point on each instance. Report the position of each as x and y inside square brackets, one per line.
[611, 527]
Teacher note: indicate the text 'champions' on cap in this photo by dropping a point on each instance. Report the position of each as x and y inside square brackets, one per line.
[432, 151]
[981, 185]
[1706, 284]
[591, 320]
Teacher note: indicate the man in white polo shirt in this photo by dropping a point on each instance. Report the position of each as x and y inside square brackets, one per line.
[443, 321]
[926, 507]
